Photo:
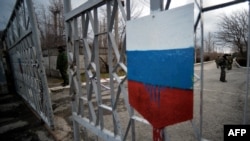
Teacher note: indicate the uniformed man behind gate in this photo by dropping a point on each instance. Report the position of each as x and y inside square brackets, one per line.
[62, 65]
[223, 62]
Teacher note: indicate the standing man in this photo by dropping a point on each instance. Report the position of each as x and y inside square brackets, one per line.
[62, 65]
[223, 65]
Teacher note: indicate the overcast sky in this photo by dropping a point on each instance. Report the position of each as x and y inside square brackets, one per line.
[210, 18]
[6, 7]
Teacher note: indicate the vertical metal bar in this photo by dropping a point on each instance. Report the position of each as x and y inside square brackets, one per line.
[76, 128]
[76, 54]
[128, 10]
[116, 26]
[156, 6]
[130, 110]
[87, 58]
[67, 8]
[202, 69]
[110, 54]
[248, 70]
[167, 4]
[98, 77]
[84, 26]
[17, 22]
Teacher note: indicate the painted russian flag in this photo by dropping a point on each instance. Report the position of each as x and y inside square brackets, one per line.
[160, 60]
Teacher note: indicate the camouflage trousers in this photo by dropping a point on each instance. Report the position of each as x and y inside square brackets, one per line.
[223, 74]
[64, 76]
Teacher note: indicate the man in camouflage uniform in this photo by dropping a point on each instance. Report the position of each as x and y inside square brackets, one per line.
[223, 62]
[62, 65]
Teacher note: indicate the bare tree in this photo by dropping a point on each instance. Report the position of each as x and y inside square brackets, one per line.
[56, 8]
[42, 22]
[51, 26]
[50, 23]
[209, 43]
[233, 31]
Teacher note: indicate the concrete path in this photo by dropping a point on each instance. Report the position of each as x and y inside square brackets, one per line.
[223, 103]
[18, 122]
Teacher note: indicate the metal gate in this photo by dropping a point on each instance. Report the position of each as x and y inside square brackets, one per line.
[23, 46]
[94, 106]
[89, 107]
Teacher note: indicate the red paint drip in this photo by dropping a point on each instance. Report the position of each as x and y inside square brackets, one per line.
[158, 134]
[161, 106]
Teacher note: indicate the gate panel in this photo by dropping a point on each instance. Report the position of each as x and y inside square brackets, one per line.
[24, 49]
[95, 104]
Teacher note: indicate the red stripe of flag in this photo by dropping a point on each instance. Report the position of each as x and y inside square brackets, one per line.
[161, 106]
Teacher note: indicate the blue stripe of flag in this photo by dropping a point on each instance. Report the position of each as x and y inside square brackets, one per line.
[171, 68]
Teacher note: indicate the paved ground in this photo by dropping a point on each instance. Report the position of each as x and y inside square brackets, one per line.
[222, 104]
[18, 122]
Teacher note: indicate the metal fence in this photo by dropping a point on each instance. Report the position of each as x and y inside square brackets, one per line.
[89, 106]
[23, 47]
[91, 102]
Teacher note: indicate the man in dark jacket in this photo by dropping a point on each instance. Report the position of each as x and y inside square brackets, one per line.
[223, 62]
[62, 65]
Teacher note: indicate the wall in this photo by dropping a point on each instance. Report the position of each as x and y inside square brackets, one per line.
[50, 58]
[50, 65]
